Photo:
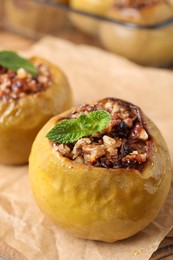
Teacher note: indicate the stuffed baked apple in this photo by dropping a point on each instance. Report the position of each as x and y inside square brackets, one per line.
[43, 17]
[31, 92]
[88, 24]
[62, 1]
[101, 171]
[144, 46]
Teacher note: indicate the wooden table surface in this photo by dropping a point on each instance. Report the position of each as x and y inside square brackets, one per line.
[9, 40]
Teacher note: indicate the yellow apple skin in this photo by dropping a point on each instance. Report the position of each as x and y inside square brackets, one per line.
[89, 24]
[143, 46]
[21, 120]
[98, 203]
[43, 18]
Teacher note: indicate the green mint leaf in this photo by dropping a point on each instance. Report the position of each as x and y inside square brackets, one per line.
[13, 61]
[71, 130]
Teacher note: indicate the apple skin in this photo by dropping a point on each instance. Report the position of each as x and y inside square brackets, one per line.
[21, 120]
[98, 203]
[96, 7]
[43, 18]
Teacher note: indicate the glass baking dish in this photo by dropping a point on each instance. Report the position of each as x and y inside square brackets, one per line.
[1, 14]
[148, 42]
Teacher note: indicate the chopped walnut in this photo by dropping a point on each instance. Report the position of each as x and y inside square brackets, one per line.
[92, 152]
[78, 146]
[22, 74]
[111, 152]
[63, 149]
[111, 142]
[79, 159]
[143, 135]
[139, 132]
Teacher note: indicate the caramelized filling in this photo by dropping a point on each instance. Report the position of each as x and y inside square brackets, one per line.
[124, 143]
[139, 4]
[14, 85]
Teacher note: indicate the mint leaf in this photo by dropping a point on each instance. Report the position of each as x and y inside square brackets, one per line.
[13, 61]
[71, 130]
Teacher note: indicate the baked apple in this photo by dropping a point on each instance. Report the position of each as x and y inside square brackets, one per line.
[88, 24]
[26, 103]
[17, 13]
[101, 171]
[144, 46]
[62, 1]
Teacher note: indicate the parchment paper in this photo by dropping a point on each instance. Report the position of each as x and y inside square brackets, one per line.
[93, 74]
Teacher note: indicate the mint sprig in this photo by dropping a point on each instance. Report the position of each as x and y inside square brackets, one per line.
[13, 61]
[71, 130]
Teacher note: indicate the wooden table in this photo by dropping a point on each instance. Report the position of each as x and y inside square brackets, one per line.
[12, 41]
[9, 40]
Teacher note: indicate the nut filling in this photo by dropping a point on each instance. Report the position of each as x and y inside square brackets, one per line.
[14, 85]
[139, 4]
[124, 143]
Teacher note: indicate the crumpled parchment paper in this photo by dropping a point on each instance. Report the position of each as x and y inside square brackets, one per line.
[93, 74]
